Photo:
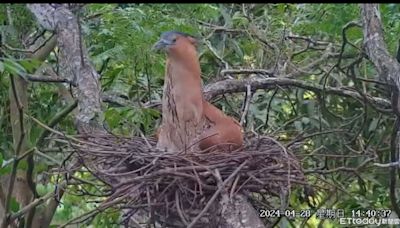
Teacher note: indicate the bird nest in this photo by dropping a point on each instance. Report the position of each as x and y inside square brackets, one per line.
[174, 188]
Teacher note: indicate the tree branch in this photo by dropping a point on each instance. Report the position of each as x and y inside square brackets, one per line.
[47, 79]
[235, 86]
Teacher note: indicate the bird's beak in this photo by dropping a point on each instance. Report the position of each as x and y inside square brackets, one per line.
[160, 45]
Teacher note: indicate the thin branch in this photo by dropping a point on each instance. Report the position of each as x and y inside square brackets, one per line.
[33, 204]
[94, 212]
[212, 199]
[56, 119]
[247, 71]
[305, 70]
[239, 86]
[307, 39]
[247, 104]
[342, 168]
[236, 85]
[214, 52]
[299, 139]
[27, 50]
[387, 165]
[47, 79]
[345, 41]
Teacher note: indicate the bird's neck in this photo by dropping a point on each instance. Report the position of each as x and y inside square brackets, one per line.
[184, 68]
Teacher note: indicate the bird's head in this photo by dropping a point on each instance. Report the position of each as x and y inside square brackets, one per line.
[173, 40]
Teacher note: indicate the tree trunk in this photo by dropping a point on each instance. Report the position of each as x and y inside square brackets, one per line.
[389, 70]
[75, 64]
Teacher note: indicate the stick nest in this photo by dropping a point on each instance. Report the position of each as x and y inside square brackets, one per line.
[174, 188]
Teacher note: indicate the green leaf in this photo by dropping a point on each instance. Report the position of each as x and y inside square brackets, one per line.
[23, 165]
[30, 64]
[13, 67]
[5, 170]
[113, 117]
[14, 206]
[1, 160]
[239, 19]
[1, 67]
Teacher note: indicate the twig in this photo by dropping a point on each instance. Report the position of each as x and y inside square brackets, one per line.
[26, 50]
[342, 168]
[314, 134]
[247, 104]
[178, 208]
[308, 39]
[33, 204]
[305, 70]
[56, 119]
[387, 165]
[345, 41]
[93, 212]
[46, 79]
[47, 156]
[236, 85]
[58, 132]
[211, 48]
[247, 71]
[212, 199]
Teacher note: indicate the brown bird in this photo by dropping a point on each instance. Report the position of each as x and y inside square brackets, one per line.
[189, 122]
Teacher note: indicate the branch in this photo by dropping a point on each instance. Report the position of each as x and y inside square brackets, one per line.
[212, 199]
[121, 101]
[387, 165]
[238, 86]
[36, 203]
[301, 138]
[47, 79]
[246, 104]
[56, 119]
[235, 86]
[247, 71]
[30, 206]
[50, 42]
[307, 39]
[94, 212]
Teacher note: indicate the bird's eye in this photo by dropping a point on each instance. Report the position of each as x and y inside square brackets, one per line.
[174, 40]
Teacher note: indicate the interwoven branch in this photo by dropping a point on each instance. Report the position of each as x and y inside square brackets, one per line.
[153, 178]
